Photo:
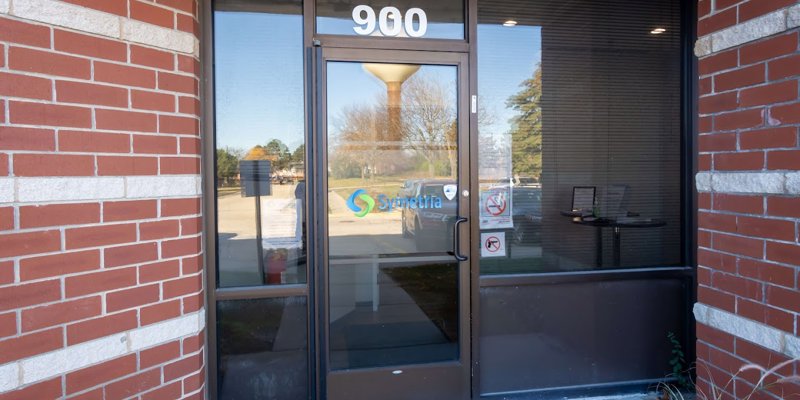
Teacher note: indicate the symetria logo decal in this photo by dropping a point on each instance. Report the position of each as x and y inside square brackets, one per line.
[361, 194]
[387, 203]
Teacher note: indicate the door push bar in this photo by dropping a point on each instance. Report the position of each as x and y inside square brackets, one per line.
[457, 252]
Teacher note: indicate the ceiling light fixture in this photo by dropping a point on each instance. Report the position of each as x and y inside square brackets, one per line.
[510, 22]
[658, 31]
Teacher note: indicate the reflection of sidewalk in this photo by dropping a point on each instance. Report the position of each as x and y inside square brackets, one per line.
[337, 204]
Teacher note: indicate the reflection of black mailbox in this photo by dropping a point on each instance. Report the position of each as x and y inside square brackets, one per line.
[254, 175]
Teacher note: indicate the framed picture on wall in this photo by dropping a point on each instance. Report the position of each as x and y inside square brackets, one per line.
[583, 197]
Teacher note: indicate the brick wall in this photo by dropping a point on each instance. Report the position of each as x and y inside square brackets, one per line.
[101, 288]
[749, 209]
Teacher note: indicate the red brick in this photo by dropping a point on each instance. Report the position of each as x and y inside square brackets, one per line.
[170, 391]
[126, 165]
[737, 285]
[767, 315]
[786, 114]
[152, 58]
[24, 33]
[768, 138]
[130, 254]
[753, 160]
[58, 214]
[159, 229]
[188, 105]
[716, 222]
[60, 313]
[8, 324]
[194, 381]
[739, 78]
[705, 86]
[180, 247]
[152, 14]
[118, 7]
[179, 165]
[50, 114]
[179, 125]
[186, 6]
[718, 62]
[193, 302]
[145, 144]
[6, 218]
[129, 210]
[6, 272]
[756, 8]
[93, 142]
[783, 206]
[716, 22]
[716, 298]
[31, 87]
[159, 354]
[101, 373]
[193, 343]
[100, 235]
[125, 120]
[88, 93]
[182, 286]
[703, 8]
[770, 48]
[53, 165]
[766, 228]
[739, 120]
[20, 244]
[788, 299]
[135, 384]
[183, 367]
[784, 67]
[717, 142]
[17, 138]
[739, 245]
[104, 326]
[3, 161]
[45, 62]
[50, 389]
[783, 253]
[769, 94]
[718, 102]
[91, 46]
[189, 145]
[767, 272]
[739, 203]
[188, 63]
[59, 264]
[133, 297]
[760, 355]
[716, 260]
[784, 159]
[715, 337]
[177, 207]
[154, 101]
[177, 83]
[31, 344]
[191, 226]
[159, 271]
[97, 282]
[160, 312]
[124, 75]
[187, 24]
[705, 124]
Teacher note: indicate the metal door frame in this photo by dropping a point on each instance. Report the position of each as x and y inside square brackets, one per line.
[467, 208]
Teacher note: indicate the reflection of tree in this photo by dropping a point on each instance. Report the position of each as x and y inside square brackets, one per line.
[275, 151]
[429, 120]
[359, 137]
[526, 127]
[227, 165]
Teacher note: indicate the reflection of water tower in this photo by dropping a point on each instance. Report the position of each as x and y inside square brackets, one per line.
[393, 75]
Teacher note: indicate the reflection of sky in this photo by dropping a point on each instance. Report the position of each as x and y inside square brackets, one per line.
[259, 76]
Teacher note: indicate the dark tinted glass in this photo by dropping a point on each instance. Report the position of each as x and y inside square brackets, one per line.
[579, 94]
[260, 142]
[445, 18]
[262, 349]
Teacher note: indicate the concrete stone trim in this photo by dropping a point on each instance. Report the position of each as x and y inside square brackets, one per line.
[60, 189]
[84, 19]
[23, 372]
[747, 329]
[760, 182]
[754, 29]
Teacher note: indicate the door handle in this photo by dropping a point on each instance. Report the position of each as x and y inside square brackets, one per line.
[457, 252]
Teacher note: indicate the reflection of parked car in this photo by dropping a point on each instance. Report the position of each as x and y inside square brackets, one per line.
[408, 188]
[527, 214]
[432, 228]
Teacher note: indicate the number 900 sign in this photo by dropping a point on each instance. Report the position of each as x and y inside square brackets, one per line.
[365, 17]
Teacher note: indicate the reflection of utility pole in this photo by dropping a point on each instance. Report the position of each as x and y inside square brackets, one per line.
[393, 75]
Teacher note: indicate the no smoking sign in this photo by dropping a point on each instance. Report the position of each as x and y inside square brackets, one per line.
[493, 244]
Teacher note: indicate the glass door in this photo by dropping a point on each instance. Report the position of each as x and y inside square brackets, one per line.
[394, 281]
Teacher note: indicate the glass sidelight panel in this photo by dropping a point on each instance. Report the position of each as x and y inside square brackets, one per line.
[392, 175]
[260, 142]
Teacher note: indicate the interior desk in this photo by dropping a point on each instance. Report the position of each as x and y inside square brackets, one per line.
[616, 227]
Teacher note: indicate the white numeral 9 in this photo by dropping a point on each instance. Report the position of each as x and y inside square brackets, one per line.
[367, 22]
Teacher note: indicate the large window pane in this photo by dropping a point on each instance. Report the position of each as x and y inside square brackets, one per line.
[260, 171]
[579, 97]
